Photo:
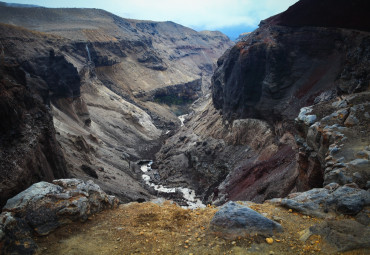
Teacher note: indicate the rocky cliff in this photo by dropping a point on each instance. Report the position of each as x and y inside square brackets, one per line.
[246, 144]
[29, 150]
[86, 69]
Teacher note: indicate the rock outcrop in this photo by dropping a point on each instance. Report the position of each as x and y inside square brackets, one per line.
[324, 202]
[44, 206]
[333, 141]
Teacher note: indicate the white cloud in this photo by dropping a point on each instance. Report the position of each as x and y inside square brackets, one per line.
[208, 14]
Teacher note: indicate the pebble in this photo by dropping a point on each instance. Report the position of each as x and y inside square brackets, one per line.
[269, 240]
[118, 239]
[233, 242]
[271, 253]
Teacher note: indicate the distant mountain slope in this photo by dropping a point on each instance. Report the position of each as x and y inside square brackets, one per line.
[18, 5]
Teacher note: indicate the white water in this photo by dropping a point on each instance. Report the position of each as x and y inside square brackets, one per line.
[88, 52]
[182, 119]
[188, 194]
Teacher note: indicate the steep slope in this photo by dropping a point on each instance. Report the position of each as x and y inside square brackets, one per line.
[246, 144]
[104, 79]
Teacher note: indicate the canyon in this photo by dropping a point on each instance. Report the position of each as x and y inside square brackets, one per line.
[111, 86]
[144, 110]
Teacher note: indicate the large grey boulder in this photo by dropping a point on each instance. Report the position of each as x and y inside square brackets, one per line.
[330, 200]
[44, 206]
[234, 220]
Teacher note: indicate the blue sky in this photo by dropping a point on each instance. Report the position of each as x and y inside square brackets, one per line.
[231, 17]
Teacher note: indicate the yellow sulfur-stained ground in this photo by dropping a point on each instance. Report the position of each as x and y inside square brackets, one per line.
[148, 228]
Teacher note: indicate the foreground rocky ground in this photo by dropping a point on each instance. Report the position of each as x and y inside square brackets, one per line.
[70, 216]
[164, 228]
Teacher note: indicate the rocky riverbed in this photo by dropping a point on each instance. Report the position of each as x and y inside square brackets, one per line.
[187, 197]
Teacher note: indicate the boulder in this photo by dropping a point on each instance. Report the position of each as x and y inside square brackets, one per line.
[44, 206]
[234, 220]
[323, 202]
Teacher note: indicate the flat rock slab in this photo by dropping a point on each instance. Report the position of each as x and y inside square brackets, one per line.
[234, 220]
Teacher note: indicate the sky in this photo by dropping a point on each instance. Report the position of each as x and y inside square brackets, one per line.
[231, 17]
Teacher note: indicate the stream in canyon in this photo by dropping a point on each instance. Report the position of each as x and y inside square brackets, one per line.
[182, 118]
[188, 195]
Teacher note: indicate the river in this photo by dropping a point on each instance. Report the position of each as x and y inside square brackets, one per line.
[188, 194]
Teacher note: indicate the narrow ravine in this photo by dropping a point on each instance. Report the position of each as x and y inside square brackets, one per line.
[188, 195]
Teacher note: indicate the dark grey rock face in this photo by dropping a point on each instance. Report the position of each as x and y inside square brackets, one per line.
[29, 151]
[60, 76]
[233, 220]
[277, 70]
[44, 206]
[330, 13]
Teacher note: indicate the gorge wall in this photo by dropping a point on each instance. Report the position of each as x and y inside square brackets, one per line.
[246, 143]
